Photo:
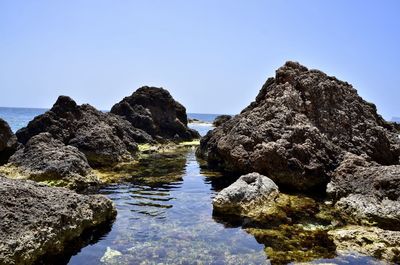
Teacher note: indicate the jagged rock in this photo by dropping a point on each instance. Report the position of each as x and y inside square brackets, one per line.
[104, 138]
[36, 219]
[8, 142]
[371, 241]
[221, 119]
[44, 158]
[366, 192]
[298, 128]
[154, 110]
[257, 199]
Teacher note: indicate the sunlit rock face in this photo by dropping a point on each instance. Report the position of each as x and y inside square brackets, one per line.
[366, 192]
[298, 128]
[39, 220]
[44, 158]
[8, 142]
[104, 138]
[156, 112]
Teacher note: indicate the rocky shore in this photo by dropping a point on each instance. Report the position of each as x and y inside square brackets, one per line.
[63, 147]
[311, 133]
[37, 220]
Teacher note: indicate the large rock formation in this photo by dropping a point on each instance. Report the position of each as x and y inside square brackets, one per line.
[155, 111]
[8, 142]
[366, 192]
[44, 158]
[36, 220]
[104, 138]
[298, 128]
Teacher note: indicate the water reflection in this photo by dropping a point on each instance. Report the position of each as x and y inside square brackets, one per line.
[169, 220]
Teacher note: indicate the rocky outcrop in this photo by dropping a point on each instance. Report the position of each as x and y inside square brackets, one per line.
[221, 119]
[36, 220]
[8, 142]
[371, 241]
[44, 158]
[104, 138]
[366, 192]
[298, 128]
[155, 111]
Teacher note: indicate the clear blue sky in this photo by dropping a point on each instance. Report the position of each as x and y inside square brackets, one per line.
[213, 56]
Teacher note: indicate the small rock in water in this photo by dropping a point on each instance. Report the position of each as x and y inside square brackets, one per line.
[110, 255]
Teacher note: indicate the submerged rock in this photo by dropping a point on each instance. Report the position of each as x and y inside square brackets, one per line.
[104, 138]
[297, 129]
[8, 142]
[221, 119]
[372, 241]
[44, 158]
[366, 192]
[155, 111]
[37, 220]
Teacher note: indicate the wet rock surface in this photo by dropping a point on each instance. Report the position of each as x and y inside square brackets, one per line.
[221, 119]
[8, 141]
[373, 241]
[38, 220]
[155, 111]
[104, 138]
[298, 128]
[44, 158]
[367, 192]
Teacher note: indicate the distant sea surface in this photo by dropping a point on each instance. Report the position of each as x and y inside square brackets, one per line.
[20, 117]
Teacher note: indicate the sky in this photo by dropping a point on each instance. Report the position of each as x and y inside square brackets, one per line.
[212, 55]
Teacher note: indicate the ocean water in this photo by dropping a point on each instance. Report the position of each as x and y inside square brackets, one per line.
[165, 216]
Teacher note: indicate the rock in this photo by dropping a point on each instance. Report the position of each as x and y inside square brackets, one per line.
[154, 110]
[372, 241]
[249, 190]
[44, 158]
[297, 129]
[110, 255]
[8, 142]
[366, 192]
[37, 220]
[221, 119]
[104, 138]
[256, 199]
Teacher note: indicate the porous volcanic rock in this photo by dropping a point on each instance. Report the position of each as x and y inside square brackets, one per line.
[298, 128]
[8, 142]
[36, 219]
[221, 119]
[155, 111]
[257, 199]
[371, 241]
[366, 192]
[44, 158]
[104, 138]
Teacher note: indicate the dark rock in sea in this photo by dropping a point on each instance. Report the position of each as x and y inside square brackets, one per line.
[37, 220]
[366, 192]
[297, 130]
[44, 158]
[104, 138]
[221, 119]
[8, 142]
[155, 111]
